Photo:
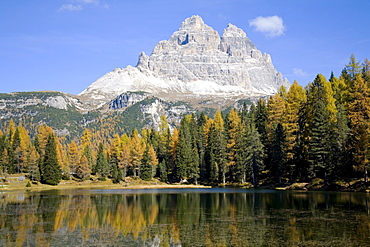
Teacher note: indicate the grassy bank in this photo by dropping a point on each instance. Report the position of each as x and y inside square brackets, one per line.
[15, 182]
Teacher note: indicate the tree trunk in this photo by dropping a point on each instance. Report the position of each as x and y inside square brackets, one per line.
[254, 167]
[325, 180]
[124, 173]
[365, 176]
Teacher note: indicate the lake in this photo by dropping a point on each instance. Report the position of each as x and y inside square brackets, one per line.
[183, 217]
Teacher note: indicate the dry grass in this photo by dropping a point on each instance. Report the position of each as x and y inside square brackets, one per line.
[15, 184]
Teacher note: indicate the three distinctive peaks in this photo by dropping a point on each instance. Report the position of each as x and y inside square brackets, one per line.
[195, 61]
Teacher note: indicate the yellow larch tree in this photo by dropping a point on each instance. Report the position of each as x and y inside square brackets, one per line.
[296, 96]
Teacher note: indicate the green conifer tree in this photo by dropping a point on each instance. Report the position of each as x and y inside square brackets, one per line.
[146, 166]
[50, 169]
[278, 152]
[101, 167]
[254, 154]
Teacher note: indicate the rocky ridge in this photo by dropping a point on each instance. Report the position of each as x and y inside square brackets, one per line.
[195, 62]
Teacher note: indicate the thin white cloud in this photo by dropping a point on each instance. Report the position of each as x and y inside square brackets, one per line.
[89, 1]
[299, 72]
[78, 5]
[71, 7]
[271, 26]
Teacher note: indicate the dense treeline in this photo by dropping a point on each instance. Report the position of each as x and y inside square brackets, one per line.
[321, 131]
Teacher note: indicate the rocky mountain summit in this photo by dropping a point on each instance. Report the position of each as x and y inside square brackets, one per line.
[194, 63]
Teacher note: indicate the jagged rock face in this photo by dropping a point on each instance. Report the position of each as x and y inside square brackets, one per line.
[195, 60]
[126, 100]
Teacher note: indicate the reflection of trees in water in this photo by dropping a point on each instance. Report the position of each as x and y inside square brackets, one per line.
[213, 219]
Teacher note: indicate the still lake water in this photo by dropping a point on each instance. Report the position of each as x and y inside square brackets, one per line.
[184, 217]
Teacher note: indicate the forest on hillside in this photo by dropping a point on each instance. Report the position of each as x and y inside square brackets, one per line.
[320, 131]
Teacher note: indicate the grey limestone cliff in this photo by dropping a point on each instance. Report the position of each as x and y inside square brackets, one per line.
[196, 60]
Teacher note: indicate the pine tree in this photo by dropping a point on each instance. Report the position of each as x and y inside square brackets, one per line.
[50, 169]
[163, 171]
[276, 109]
[74, 157]
[254, 154]
[86, 138]
[88, 154]
[124, 160]
[34, 171]
[183, 152]
[20, 148]
[171, 166]
[114, 154]
[366, 70]
[278, 152]
[320, 142]
[234, 135]
[340, 90]
[43, 133]
[101, 167]
[187, 157]
[220, 147]
[353, 67]
[83, 170]
[340, 155]
[200, 140]
[164, 139]
[321, 119]
[148, 162]
[260, 120]
[136, 152]
[240, 169]
[359, 116]
[296, 97]
[212, 166]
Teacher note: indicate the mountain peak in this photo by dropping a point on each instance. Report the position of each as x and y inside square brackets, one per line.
[234, 31]
[194, 23]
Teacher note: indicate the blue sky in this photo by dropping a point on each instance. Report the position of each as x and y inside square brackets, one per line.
[65, 45]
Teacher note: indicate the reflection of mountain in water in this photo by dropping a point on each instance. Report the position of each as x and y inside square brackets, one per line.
[87, 218]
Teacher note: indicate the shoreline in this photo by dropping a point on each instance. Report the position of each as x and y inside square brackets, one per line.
[15, 184]
[70, 185]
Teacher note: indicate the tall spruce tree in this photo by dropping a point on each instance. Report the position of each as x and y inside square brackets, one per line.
[148, 163]
[200, 139]
[184, 150]
[146, 167]
[101, 167]
[50, 169]
[187, 158]
[261, 120]
[320, 142]
[254, 154]
[321, 122]
[241, 165]
[212, 167]
[278, 152]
